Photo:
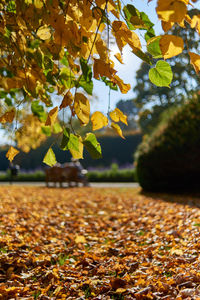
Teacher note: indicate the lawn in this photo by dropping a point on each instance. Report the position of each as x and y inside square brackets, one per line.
[87, 243]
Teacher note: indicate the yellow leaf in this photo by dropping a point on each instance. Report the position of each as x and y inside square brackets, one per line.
[171, 45]
[82, 108]
[12, 152]
[67, 100]
[38, 3]
[102, 49]
[176, 251]
[117, 115]
[7, 117]
[195, 23]
[77, 154]
[44, 33]
[124, 88]
[121, 290]
[195, 61]
[80, 239]
[124, 35]
[117, 129]
[98, 120]
[118, 57]
[172, 10]
[52, 115]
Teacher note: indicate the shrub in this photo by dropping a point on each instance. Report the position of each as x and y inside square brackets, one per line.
[169, 159]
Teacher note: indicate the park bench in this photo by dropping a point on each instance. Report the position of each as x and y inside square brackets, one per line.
[66, 174]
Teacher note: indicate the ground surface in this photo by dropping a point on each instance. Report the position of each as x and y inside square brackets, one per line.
[90, 243]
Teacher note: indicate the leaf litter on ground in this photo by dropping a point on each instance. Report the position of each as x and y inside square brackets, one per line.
[87, 243]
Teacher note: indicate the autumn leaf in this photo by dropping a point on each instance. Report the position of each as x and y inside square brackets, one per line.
[167, 25]
[124, 87]
[195, 23]
[50, 158]
[44, 33]
[98, 120]
[80, 239]
[52, 115]
[101, 68]
[8, 116]
[171, 45]
[67, 100]
[117, 129]
[117, 116]
[124, 35]
[172, 11]
[118, 57]
[12, 152]
[195, 61]
[82, 108]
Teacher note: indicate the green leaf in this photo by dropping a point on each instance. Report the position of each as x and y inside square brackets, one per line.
[144, 17]
[65, 139]
[129, 11]
[50, 158]
[38, 110]
[86, 79]
[109, 83]
[86, 70]
[34, 44]
[136, 19]
[87, 86]
[3, 94]
[47, 64]
[8, 101]
[153, 47]
[64, 60]
[57, 128]
[162, 74]
[39, 57]
[66, 77]
[11, 6]
[92, 146]
[46, 130]
[73, 143]
[149, 34]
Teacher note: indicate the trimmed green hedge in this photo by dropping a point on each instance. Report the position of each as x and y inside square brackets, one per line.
[169, 159]
[93, 176]
[112, 176]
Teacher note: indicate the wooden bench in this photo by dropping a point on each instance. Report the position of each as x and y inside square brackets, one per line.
[68, 173]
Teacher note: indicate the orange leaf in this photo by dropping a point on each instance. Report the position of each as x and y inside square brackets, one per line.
[67, 100]
[8, 116]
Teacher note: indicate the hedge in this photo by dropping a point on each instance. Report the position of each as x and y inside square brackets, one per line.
[169, 159]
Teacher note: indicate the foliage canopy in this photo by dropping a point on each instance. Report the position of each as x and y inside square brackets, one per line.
[58, 47]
